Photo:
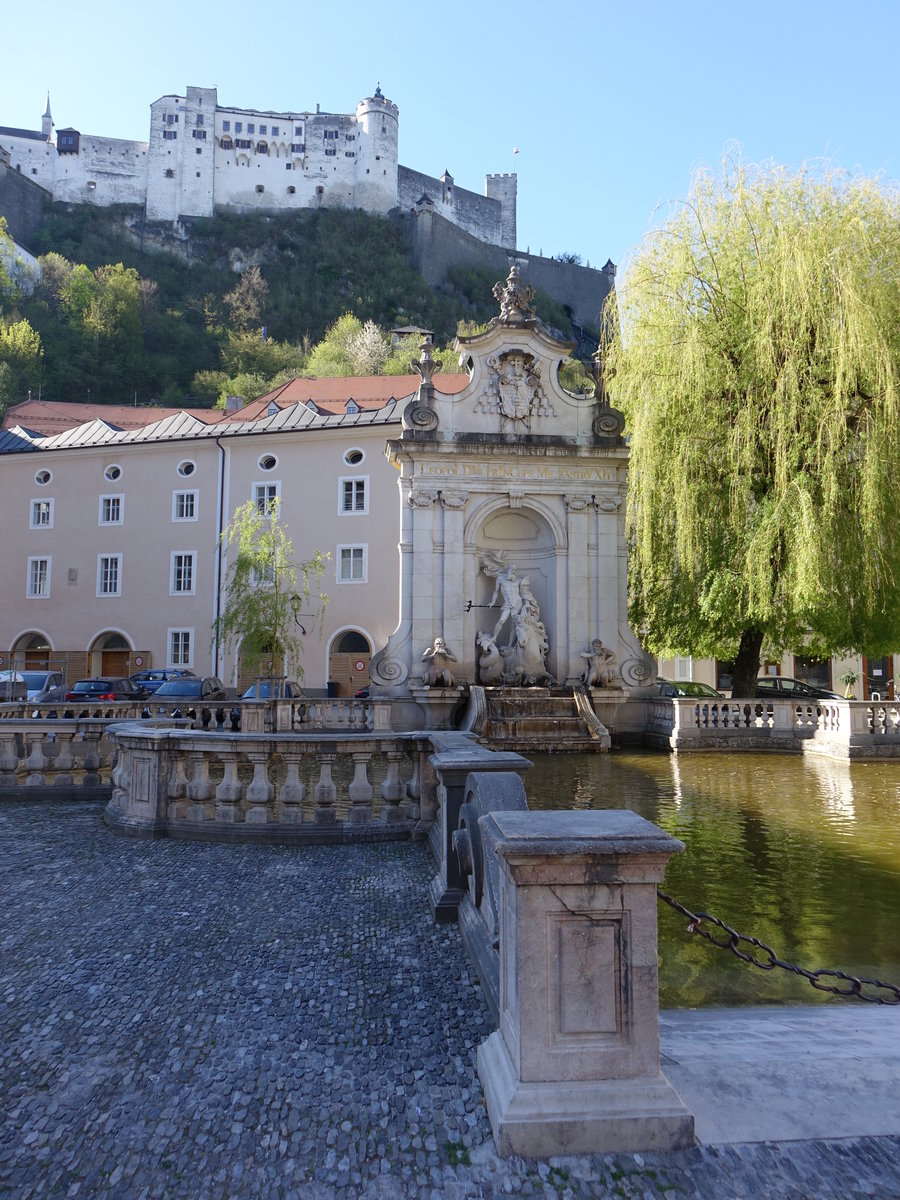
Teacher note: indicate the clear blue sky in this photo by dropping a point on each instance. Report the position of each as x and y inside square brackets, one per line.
[612, 106]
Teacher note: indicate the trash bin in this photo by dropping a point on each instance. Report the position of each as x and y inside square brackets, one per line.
[331, 688]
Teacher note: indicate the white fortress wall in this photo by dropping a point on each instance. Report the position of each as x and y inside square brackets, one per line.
[479, 215]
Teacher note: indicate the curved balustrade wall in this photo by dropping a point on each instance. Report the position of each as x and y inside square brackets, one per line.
[75, 757]
[268, 787]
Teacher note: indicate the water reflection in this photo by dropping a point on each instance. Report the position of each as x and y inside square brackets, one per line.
[802, 852]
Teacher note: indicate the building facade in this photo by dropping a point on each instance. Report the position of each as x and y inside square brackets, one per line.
[201, 156]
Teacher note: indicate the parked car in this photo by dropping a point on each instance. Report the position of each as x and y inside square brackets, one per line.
[42, 684]
[191, 689]
[769, 686]
[154, 677]
[12, 687]
[687, 687]
[268, 689]
[110, 688]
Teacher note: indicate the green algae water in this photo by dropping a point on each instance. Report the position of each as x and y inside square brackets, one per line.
[803, 853]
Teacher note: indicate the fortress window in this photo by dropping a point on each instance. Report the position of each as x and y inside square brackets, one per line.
[169, 135]
[199, 120]
[289, 166]
[262, 129]
[291, 190]
[274, 131]
[262, 147]
[260, 188]
[200, 134]
[199, 151]
[349, 154]
[298, 131]
[298, 148]
[238, 127]
[170, 174]
[251, 129]
[226, 126]
[170, 119]
[331, 153]
[226, 143]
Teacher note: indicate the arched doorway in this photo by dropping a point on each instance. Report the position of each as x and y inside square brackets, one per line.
[110, 655]
[32, 651]
[348, 663]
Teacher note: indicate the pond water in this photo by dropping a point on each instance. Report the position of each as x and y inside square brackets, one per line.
[803, 853]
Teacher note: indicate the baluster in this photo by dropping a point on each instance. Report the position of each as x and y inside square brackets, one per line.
[90, 758]
[229, 791]
[260, 791]
[360, 790]
[121, 778]
[9, 759]
[325, 792]
[292, 791]
[35, 763]
[64, 761]
[199, 789]
[176, 788]
[392, 788]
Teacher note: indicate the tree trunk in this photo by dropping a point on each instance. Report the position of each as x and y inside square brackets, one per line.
[746, 665]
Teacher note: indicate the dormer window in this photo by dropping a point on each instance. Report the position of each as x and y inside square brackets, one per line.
[351, 406]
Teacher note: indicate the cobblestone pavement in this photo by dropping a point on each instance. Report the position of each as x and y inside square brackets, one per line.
[188, 1020]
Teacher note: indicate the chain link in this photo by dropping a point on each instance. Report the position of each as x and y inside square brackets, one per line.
[771, 959]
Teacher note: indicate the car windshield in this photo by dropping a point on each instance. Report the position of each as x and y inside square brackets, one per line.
[36, 679]
[180, 687]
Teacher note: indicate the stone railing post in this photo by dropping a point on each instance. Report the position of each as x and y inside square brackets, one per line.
[64, 761]
[260, 792]
[457, 755]
[574, 1066]
[228, 792]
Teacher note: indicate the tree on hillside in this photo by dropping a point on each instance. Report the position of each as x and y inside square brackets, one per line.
[754, 345]
[267, 590]
[246, 299]
[20, 355]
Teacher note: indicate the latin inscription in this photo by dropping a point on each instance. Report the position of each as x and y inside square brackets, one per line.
[458, 470]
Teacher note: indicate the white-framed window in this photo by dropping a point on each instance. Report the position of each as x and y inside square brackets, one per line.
[354, 456]
[353, 494]
[268, 462]
[684, 668]
[38, 585]
[182, 579]
[265, 494]
[181, 647]
[112, 472]
[352, 564]
[186, 467]
[43, 477]
[185, 505]
[112, 509]
[41, 514]
[109, 574]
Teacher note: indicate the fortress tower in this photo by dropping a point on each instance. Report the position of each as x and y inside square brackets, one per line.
[377, 120]
[504, 189]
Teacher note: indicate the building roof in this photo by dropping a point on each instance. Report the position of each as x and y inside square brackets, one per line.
[35, 134]
[330, 397]
[49, 417]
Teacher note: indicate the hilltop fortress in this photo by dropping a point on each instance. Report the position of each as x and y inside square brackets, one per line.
[202, 156]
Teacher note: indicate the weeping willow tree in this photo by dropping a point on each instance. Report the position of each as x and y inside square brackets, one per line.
[754, 346]
[268, 591]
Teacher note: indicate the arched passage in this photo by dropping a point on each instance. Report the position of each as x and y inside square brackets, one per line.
[348, 662]
[32, 651]
[109, 654]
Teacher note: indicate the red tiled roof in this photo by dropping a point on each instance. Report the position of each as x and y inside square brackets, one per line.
[48, 417]
[368, 392]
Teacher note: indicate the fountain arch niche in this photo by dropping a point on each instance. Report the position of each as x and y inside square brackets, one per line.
[511, 465]
[524, 537]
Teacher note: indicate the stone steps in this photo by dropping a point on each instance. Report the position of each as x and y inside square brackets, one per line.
[536, 719]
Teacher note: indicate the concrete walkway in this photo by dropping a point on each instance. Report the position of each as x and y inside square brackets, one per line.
[183, 1020]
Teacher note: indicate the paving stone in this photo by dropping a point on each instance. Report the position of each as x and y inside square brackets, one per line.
[190, 1021]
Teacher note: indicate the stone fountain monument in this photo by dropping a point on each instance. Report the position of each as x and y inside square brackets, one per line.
[512, 549]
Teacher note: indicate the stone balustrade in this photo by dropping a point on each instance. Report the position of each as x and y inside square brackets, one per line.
[271, 787]
[71, 757]
[838, 728]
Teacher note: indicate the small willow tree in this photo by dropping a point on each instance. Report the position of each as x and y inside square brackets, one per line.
[754, 346]
[267, 590]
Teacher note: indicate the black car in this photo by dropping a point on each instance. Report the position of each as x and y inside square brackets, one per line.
[191, 689]
[687, 687]
[109, 688]
[154, 677]
[770, 687]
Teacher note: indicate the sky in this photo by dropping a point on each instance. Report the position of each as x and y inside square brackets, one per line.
[612, 107]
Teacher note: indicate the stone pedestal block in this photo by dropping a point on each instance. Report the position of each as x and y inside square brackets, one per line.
[574, 1066]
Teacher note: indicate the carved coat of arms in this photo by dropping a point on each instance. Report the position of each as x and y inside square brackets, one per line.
[514, 391]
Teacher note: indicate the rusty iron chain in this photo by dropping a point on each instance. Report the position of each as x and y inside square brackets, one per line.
[771, 961]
